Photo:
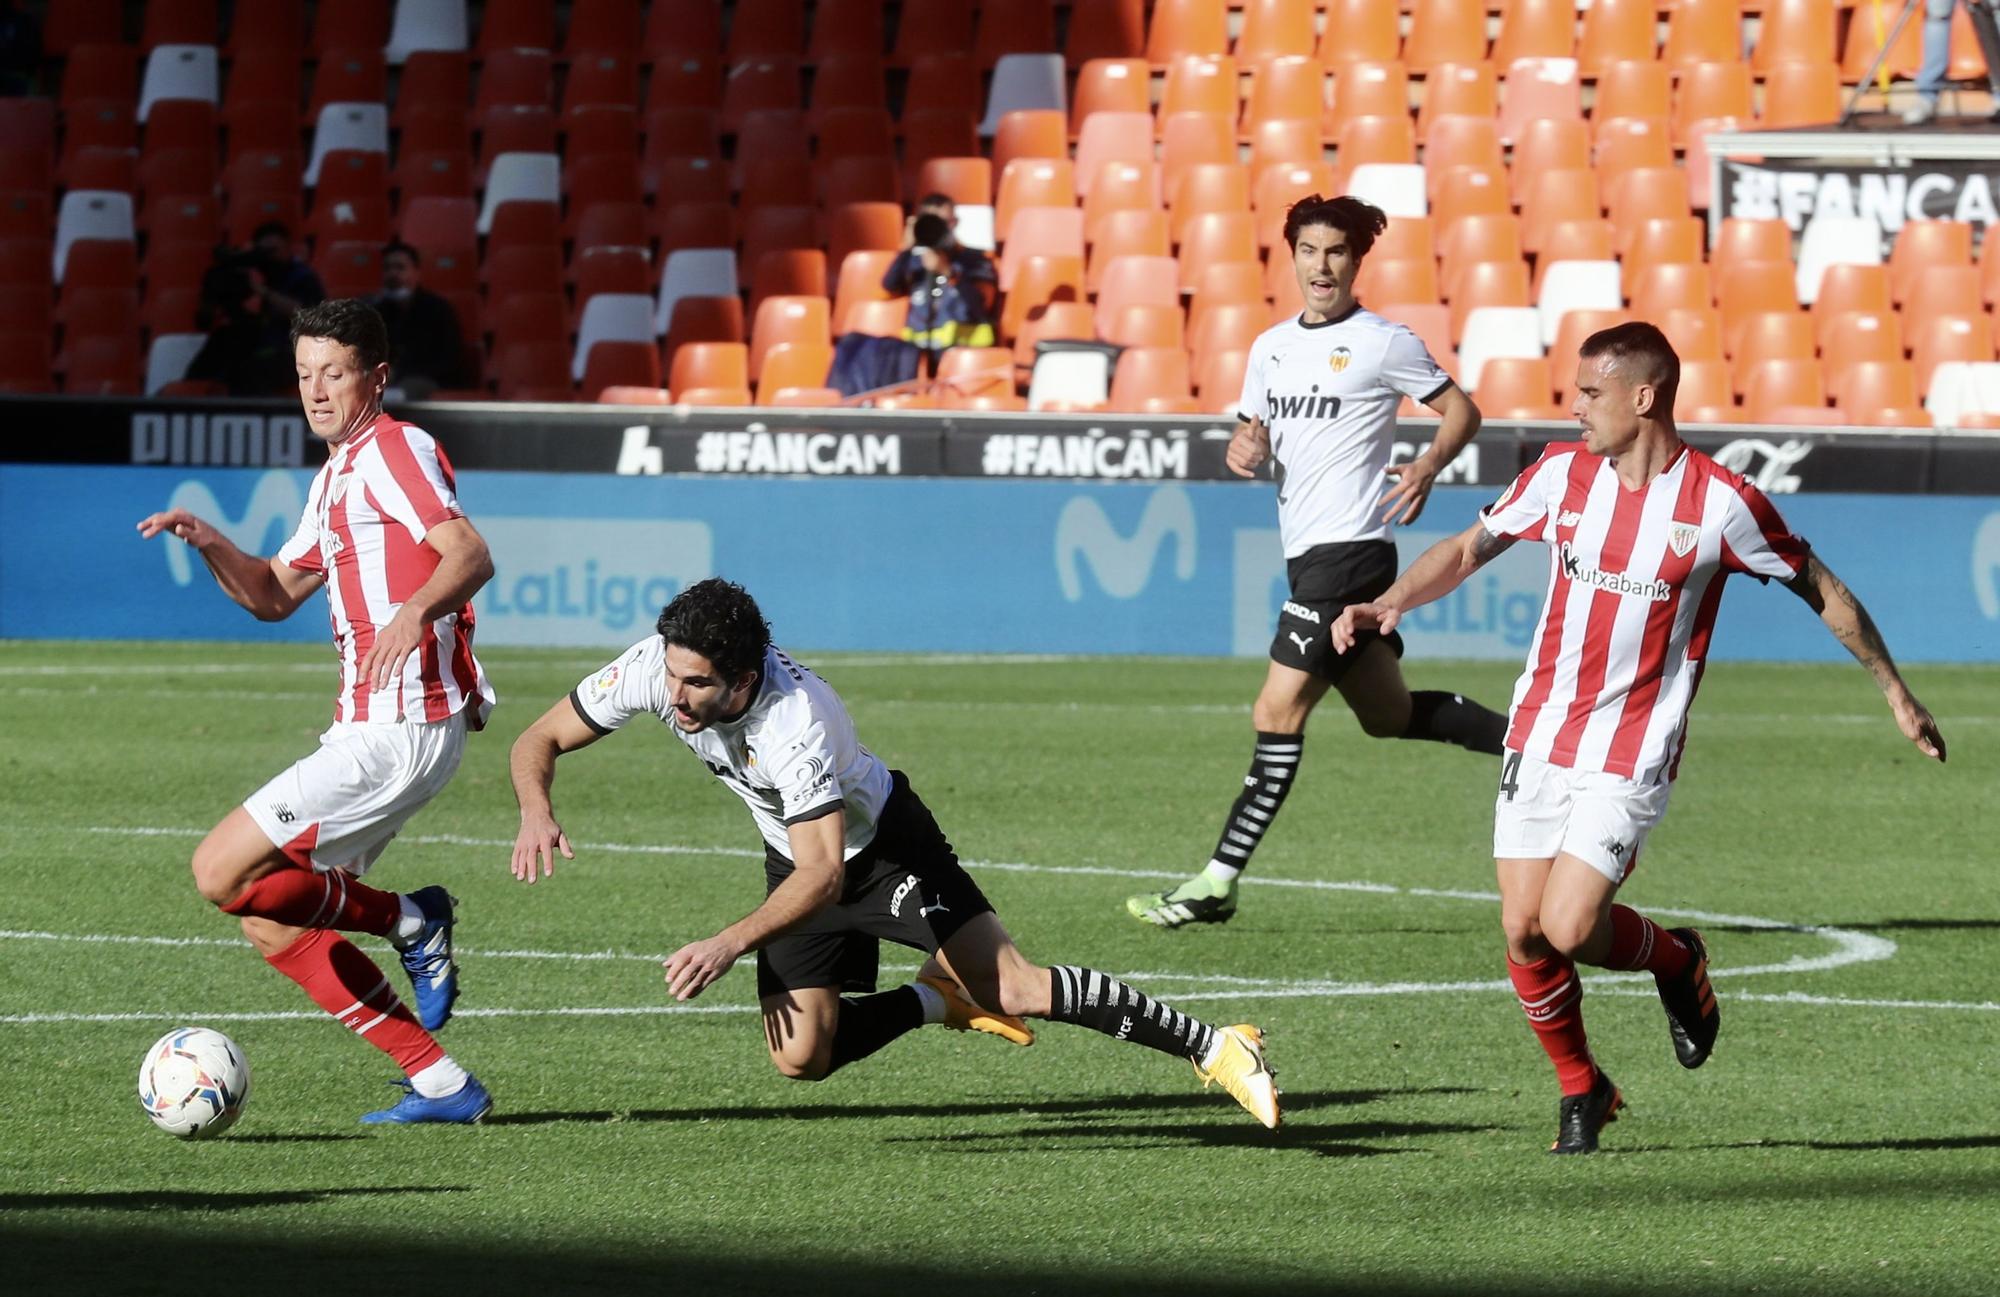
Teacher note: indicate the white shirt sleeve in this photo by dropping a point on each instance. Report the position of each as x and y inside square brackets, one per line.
[1408, 367]
[1522, 511]
[302, 553]
[803, 773]
[1755, 539]
[633, 684]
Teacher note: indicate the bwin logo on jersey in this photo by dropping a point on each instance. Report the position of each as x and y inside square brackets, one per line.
[1123, 567]
[275, 498]
[1313, 405]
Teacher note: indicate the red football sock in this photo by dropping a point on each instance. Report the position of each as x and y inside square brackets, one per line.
[346, 983]
[1638, 942]
[307, 898]
[1552, 997]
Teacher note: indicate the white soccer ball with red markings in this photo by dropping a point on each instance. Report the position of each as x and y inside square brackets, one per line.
[194, 1082]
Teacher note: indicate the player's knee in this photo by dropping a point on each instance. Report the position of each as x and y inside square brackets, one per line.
[1525, 940]
[214, 877]
[1568, 933]
[803, 1065]
[1381, 725]
[1279, 715]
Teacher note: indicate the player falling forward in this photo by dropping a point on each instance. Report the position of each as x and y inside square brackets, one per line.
[383, 532]
[1320, 396]
[1642, 531]
[851, 856]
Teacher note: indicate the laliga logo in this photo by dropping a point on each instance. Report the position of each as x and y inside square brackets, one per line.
[1986, 566]
[276, 498]
[1123, 566]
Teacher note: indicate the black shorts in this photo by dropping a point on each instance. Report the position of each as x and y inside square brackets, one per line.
[906, 886]
[1324, 580]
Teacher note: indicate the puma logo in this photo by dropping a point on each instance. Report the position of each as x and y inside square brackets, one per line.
[925, 911]
[1305, 645]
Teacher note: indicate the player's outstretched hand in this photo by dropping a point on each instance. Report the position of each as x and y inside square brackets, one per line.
[1918, 725]
[697, 965]
[392, 647]
[535, 848]
[1249, 448]
[1411, 491]
[1359, 617]
[181, 523]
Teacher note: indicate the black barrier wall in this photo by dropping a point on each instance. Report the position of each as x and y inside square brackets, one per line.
[649, 440]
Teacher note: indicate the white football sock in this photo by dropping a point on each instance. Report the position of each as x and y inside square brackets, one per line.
[440, 1079]
[1223, 876]
[409, 926]
[932, 1000]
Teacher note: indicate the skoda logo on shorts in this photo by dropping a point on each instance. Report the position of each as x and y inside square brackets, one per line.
[1338, 361]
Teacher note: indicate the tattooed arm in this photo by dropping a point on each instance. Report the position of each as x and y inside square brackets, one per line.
[1437, 572]
[1827, 595]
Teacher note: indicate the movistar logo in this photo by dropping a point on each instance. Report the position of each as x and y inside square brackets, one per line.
[276, 499]
[1311, 406]
[1123, 567]
[1986, 566]
[1612, 582]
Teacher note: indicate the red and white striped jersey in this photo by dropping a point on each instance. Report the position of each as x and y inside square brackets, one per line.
[362, 533]
[1635, 578]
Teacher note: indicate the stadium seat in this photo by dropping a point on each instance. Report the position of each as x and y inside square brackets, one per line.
[1922, 244]
[1445, 31]
[856, 227]
[1477, 191]
[1136, 280]
[1487, 283]
[1659, 289]
[1207, 187]
[1535, 29]
[1703, 396]
[1214, 237]
[793, 365]
[1742, 239]
[80, 22]
[520, 178]
[935, 27]
[1704, 31]
[1359, 30]
[1109, 137]
[1794, 31]
[1129, 232]
[1545, 144]
[433, 175]
[1032, 182]
[882, 318]
[1835, 240]
[103, 365]
[1852, 337]
[1465, 89]
[1778, 388]
[1290, 87]
[1039, 281]
[1517, 387]
[1200, 84]
[1285, 143]
[1119, 85]
[846, 29]
[1105, 29]
[1573, 285]
[1948, 290]
[1277, 188]
[1218, 378]
[1120, 187]
[1878, 393]
[693, 272]
[1013, 27]
[350, 269]
[1368, 90]
[785, 272]
[1405, 237]
[761, 85]
[606, 26]
[1025, 83]
[1496, 332]
[1041, 232]
[349, 127]
[90, 214]
[178, 22]
[788, 319]
[1711, 90]
[179, 72]
[1750, 287]
[353, 77]
[852, 132]
[1146, 374]
[1183, 27]
[517, 24]
[706, 319]
[1060, 320]
[1850, 288]
[611, 269]
[686, 81]
[1142, 324]
[859, 282]
[1958, 393]
[1457, 140]
[1643, 194]
[523, 271]
[426, 25]
[1770, 335]
[1398, 188]
[1228, 326]
[1558, 194]
[111, 170]
[762, 29]
[1570, 333]
[1613, 32]
[1634, 88]
[1070, 380]
[1801, 94]
[1037, 134]
[1274, 29]
[1536, 89]
[619, 364]
[611, 317]
[1659, 241]
[604, 80]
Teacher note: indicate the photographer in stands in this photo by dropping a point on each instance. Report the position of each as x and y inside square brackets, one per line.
[950, 286]
[426, 350]
[248, 350]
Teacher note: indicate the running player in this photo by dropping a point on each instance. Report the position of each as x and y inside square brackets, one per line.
[1642, 531]
[1320, 396]
[851, 855]
[382, 531]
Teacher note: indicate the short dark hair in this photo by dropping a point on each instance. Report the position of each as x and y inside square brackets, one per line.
[936, 200]
[931, 231]
[1642, 354]
[1360, 222]
[271, 227]
[719, 620]
[394, 246]
[349, 321]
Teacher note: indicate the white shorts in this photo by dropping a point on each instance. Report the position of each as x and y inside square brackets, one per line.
[338, 807]
[1600, 819]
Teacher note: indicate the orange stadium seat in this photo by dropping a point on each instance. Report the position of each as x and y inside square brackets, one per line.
[686, 82]
[1107, 137]
[1471, 191]
[1878, 393]
[1467, 89]
[1488, 283]
[1182, 27]
[1227, 326]
[528, 269]
[1662, 288]
[432, 81]
[1461, 141]
[1136, 280]
[1801, 94]
[787, 272]
[1142, 324]
[1105, 29]
[1274, 29]
[1032, 182]
[705, 319]
[1120, 187]
[1225, 283]
[1215, 237]
[1713, 90]
[937, 134]
[1633, 88]
[1218, 377]
[793, 365]
[878, 319]
[1115, 85]
[966, 181]
[1922, 244]
[1517, 387]
[694, 225]
[1535, 29]
[603, 80]
[1030, 133]
[1779, 390]
[1041, 232]
[1192, 138]
[1208, 187]
[935, 27]
[1055, 321]
[1445, 31]
[787, 319]
[1742, 239]
[859, 280]
[1360, 30]
[1288, 143]
[1703, 396]
[1852, 337]
[1938, 338]
[1794, 31]
[764, 83]
[1646, 193]
[1146, 375]
[1948, 290]
[858, 180]
[1753, 286]
[854, 132]
[1846, 288]
[1473, 239]
[944, 82]
[1770, 335]
[517, 24]
[1659, 240]
[1200, 84]
[1013, 27]
[1539, 88]
[354, 76]
[611, 269]
[1131, 232]
[1368, 90]
[849, 81]
[862, 227]
[1038, 281]
[1625, 144]
[1557, 194]
[1276, 188]
[179, 22]
[1290, 86]
[1613, 32]
[681, 28]
[102, 365]
[1406, 237]
[1704, 31]
[1390, 281]
[1580, 240]
[846, 29]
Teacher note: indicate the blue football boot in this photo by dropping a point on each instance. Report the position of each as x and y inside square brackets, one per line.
[469, 1106]
[433, 972]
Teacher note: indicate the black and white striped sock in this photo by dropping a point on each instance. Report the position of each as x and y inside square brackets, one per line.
[1272, 769]
[1101, 1002]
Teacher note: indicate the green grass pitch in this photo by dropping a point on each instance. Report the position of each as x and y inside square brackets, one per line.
[1842, 1140]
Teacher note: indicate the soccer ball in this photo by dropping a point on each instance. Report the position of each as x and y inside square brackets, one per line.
[193, 1082]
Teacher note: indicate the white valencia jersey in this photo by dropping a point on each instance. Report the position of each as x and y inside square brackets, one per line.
[1328, 394]
[792, 756]
[1635, 578]
[362, 532]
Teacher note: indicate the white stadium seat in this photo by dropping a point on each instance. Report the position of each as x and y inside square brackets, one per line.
[1493, 332]
[167, 360]
[91, 214]
[1070, 378]
[1024, 81]
[358, 128]
[520, 177]
[611, 317]
[426, 25]
[1395, 187]
[693, 272]
[178, 72]
[1835, 241]
[1576, 286]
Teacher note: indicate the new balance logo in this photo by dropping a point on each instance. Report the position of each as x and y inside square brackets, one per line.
[1568, 518]
[284, 812]
[1614, 848]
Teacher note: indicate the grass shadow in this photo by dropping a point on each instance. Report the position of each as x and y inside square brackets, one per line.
[1321, 1139]
[178, 1200]
[1930, 1144]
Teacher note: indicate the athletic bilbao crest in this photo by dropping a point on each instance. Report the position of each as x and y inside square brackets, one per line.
[1683, 538]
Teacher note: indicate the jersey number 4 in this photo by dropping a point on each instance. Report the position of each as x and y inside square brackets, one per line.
[1510, 775]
